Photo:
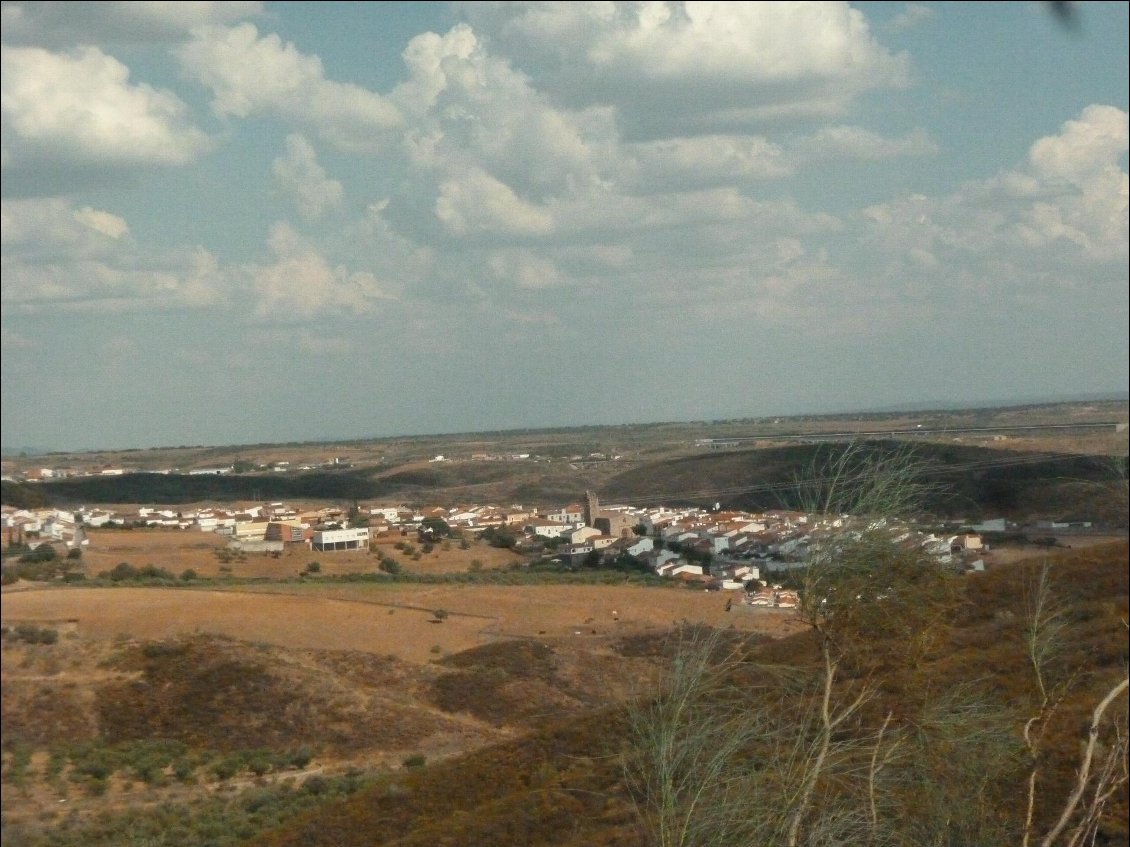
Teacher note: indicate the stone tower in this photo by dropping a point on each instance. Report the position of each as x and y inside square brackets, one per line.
[592, 507]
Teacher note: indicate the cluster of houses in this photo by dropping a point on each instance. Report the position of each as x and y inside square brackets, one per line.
[727, 550]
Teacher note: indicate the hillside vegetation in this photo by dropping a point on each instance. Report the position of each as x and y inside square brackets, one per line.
[960, 778]
[550, 745]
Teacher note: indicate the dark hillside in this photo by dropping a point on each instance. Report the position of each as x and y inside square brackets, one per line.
[555, 788]
[967, 481]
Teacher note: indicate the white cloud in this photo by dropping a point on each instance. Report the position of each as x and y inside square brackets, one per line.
[1068, 199]
[178, 280]
[469, 109]
[693, 213]
[301, 283]
[33, 229]
[477, 202]
[524, 269]
[680, 163]
[119, 22]
[299, 174]
[57, 257]
[79, 110]
[249, 74]
[102, 221]
[853, 142]
[729, 65]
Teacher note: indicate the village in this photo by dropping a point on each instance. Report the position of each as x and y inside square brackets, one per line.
[713, 548]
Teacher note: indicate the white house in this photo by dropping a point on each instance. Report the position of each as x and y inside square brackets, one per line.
[581, 534]
[548, 529]
[340, 539]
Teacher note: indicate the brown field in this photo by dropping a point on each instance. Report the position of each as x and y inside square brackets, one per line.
[352, 658]
[394, 620]
[179, 550]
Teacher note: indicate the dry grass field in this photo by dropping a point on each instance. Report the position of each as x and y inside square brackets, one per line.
[179, 550]
[395, 620]
[365, 675]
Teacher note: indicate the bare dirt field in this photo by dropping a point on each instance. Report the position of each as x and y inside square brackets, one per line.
[388, 620]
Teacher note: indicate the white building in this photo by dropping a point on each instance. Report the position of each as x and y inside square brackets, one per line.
[327, 540]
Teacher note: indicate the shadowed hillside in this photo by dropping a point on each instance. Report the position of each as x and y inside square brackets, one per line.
[966, 481]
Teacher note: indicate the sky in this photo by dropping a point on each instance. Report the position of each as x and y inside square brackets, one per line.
[242, 222]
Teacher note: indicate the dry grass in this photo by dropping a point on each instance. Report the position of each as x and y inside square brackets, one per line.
[392, 620]
[179, 550]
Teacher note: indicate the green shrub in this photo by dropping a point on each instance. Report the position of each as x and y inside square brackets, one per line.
[316, 785]
[299, 758]
[123, 571]
[16, 772]
[260, 762]
[227, 767]
[31, 634]
[42, 553]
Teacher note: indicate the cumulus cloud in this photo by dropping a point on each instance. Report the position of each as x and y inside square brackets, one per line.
[252, 74]
[468, 108]
[496, 150]
[1068, 198]
[59, 257]
[478, 202]
[64, 24]
[301, 283]
[1085, 189]
[728, 65]
[102, 221]
[79, 110]
[34, 229]
[681, 163]
[299, 174]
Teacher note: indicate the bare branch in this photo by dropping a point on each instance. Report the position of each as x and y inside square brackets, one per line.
[1084, 773]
